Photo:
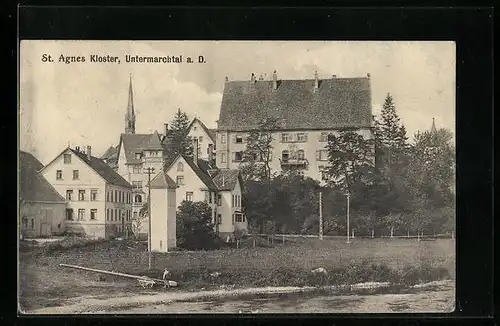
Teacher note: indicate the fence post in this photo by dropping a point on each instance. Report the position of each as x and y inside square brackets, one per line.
[283, 239]
[254, 242]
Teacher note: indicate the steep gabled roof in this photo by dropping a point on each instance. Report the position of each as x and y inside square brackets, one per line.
[103, 169]
[162, 181]
[204, 177]
[208, 131]
[212, 133]
[134, 143]
[337, 103]
[226, 179]
[111, 152]
[33, 187]
[214, 178]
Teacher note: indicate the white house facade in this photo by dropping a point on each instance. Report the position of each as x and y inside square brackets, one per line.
[99, 200]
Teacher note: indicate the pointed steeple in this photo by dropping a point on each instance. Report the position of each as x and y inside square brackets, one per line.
[433, 127]
[130, 116]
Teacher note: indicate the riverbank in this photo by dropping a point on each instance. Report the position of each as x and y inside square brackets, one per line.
[430, 297]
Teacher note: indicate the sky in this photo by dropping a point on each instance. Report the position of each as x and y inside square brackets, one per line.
[84, 103]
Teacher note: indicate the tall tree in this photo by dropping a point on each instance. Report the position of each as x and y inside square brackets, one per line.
[351, 159]
[391, 139]
[178, 141]
[257, 157]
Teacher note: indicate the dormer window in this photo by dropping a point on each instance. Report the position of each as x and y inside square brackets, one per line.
[239, 139]
[138, 156]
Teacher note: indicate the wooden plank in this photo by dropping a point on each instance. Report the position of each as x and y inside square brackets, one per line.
[171, 283]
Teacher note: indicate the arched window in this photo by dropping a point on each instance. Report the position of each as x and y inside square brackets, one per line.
[285, 155]
[138, 199]
[301, 155]
[180, 167]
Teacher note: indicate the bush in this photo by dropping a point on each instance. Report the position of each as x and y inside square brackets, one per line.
[194, 227]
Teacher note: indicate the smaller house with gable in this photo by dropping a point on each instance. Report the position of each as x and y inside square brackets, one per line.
[41, 207]
[221, 189]
[205, 137]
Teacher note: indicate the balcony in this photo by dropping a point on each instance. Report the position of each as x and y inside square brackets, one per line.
[293, 162]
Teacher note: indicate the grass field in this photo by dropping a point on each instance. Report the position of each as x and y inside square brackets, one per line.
[44, 283]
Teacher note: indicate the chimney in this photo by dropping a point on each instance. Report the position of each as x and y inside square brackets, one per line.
[227, 79]
[77, 148]
[88, 152]
[368, 75]
[275, 80]
[210, 152]
[260, 77]
[316, 81]
[195, 151]
[252, 78]
[334, 76]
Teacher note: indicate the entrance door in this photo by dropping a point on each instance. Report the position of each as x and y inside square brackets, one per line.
[46, 223]
[46, 230]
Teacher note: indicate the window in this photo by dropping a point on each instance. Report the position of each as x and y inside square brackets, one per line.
[32, 223]
[69, 194]
[206, 196]
[189, 196]
[285, 138]
[239, 139]
[116, 214]
[116, 196]
[301, 155]
[322, 155]
[76, 174]
[138, 156]
[107, 214]
[93, 214]
[138, 198]
[301, 137]
[25, 222]
[180, 167]
[81, 194]
[238, 217]
[285, 155]
[81, 214]
[136, 170]
[223, 157]
[238, 156]
[219, 200]
[135, 214]
[180, 180]
[93, 195]
[323, 137]
[223, 139]
[67, 158]
[194, 128]
[59, 174]
[219, 218]
[69, 214]
[200, 139]
[137, 184]
[233, 203]
[209, 197]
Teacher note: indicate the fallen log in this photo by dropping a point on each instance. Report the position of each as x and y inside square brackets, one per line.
[143, 280]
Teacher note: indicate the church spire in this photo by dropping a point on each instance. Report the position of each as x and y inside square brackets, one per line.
[433, 127]
[130, 116]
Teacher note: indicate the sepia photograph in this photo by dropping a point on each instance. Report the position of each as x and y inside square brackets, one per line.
[216, 177]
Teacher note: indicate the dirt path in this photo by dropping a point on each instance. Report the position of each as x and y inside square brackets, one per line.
[263, 300]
